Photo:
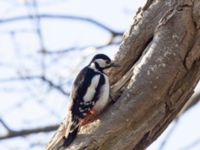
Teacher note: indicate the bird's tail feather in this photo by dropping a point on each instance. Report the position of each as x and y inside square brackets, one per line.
[65, 135]
[72, 133]
[70, 138]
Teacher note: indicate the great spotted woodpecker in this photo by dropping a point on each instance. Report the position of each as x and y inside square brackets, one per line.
[89, 96]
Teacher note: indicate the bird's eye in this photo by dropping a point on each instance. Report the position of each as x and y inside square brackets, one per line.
[107, 61]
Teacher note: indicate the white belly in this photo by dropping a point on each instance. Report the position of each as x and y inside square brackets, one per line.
[104, 98]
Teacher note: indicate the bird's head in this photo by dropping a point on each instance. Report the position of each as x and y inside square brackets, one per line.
[101, 62]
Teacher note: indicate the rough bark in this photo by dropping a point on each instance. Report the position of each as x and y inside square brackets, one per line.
[159, 58]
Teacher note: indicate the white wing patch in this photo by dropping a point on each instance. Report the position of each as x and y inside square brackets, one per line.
[91, 89]
[104, 96]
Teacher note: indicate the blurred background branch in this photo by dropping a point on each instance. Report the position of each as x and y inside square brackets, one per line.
[25, 132]
[63, 17]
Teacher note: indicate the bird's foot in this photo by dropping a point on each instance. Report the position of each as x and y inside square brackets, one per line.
[89, 118]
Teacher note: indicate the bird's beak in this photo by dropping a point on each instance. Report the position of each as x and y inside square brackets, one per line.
[114, 65]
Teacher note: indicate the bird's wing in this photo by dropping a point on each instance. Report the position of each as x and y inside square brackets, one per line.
[57, 140]
[86, 91]
[79, 107]
[78, 83]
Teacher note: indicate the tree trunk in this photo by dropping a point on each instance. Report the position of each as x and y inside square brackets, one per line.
[159, 59]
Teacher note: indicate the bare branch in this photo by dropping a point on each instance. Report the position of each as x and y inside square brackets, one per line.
[5, 125]
[26, 132]
[51, 84]
[191, 145]
[35, 16]
[63, 17]
[14, 31]
[36, 77]
[78, 48]
[20, 78]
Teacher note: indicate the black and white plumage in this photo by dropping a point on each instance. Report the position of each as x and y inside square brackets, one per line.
[89, 96]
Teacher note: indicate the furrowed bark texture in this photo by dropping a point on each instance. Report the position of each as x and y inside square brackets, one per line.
[160, 66]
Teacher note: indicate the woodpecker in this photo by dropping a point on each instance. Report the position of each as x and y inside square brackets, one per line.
[89, 96]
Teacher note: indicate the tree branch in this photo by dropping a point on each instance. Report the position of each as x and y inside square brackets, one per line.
[12, 134]
[154, 78]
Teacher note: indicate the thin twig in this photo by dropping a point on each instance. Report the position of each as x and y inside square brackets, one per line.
[78, 48]
[5, 125]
